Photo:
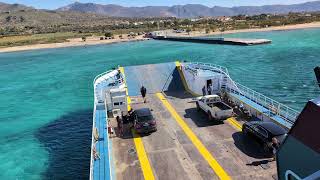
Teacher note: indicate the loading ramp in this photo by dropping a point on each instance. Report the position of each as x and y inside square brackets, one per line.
[154, 77]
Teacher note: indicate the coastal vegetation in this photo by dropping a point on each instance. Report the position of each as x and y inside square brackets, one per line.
[19, 40]
[32, 26]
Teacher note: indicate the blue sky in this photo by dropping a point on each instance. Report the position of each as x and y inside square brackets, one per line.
[53, 4]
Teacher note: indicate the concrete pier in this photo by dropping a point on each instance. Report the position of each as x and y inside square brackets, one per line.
[215, 40]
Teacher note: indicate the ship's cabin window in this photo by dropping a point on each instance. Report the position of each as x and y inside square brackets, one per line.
[118, 103]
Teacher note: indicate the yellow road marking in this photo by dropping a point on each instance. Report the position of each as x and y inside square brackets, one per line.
[234, 123]
[142, 155]
[143, 158]
[194, 139]
[184, 82]
[125, 82]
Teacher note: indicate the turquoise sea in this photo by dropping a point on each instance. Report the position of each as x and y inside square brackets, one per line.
[46, 96]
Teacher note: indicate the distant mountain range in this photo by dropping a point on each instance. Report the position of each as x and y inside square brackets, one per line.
[179, 11]
[189, 10]
[13, 7]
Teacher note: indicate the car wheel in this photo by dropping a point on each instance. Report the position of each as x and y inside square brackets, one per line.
[198, 107]
[210, 116]
[245, 131]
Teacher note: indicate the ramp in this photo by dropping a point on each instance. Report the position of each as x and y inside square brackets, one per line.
[155, 77]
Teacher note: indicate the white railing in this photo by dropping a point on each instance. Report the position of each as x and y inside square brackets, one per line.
[214, 68]
[100, 75]
[208, 66]
[115, 81]
[94, 117]
[92, 142]
[274, 107]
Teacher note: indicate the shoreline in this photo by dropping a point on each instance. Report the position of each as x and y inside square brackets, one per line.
[76, 42]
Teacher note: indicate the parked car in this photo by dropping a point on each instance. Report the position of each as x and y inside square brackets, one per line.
[264, 132]
[144, 121]
[214, 107]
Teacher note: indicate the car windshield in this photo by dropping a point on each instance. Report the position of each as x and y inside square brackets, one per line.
[145, 118]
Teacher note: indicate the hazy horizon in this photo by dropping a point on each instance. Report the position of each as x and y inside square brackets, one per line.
[51, 4]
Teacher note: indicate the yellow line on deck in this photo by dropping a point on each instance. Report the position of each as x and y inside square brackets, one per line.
[194, 139]
[143, 158]
[125, 82]
[234, 123]
[142, 155]
[184, 82]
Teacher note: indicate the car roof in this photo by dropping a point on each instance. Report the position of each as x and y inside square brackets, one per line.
[143, 112]
[272, 127]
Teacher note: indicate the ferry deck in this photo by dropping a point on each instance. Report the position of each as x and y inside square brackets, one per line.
[186, 144]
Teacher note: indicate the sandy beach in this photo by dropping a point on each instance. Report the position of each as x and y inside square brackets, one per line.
[72, 43]
[96, 40]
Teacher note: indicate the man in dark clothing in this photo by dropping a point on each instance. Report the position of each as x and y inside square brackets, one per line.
[275, 146]
[120, 129]
[143, 91]
[209, 89]
[204, 90]
[131, 118]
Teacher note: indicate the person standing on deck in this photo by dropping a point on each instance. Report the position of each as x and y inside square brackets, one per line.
[131, 118]
[212, 89]
[275, 146]
[209, 89]
[119, 123]
[204, 91]
[143, 91]
[110, 129]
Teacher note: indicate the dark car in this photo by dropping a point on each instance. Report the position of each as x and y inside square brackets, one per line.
[144, 121]
[264, 132]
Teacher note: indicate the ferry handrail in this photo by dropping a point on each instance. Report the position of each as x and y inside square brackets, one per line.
[100, 75]
[92, 137]
[93, 121]
[106, 78]
[274, 107]
[94, 116]
[221, 69]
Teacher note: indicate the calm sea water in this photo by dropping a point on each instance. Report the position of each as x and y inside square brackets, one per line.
[46, 95]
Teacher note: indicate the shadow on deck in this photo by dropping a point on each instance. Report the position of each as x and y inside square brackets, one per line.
[200, 118]
[249, 146]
